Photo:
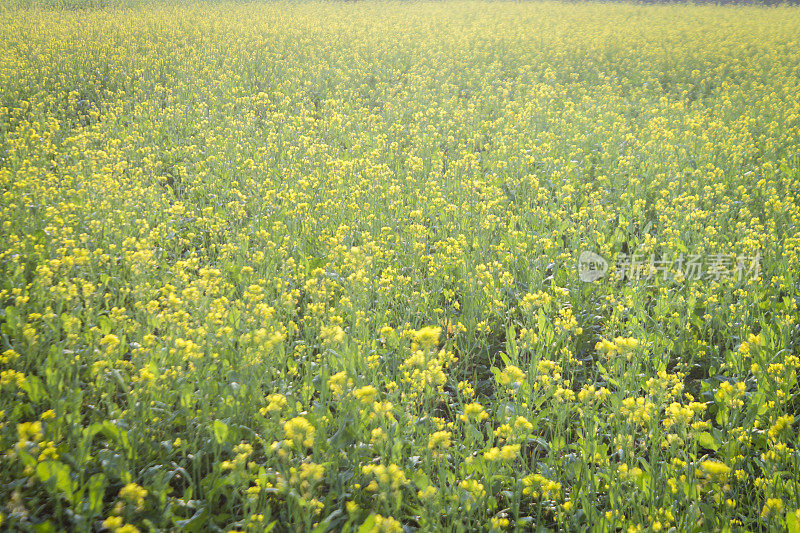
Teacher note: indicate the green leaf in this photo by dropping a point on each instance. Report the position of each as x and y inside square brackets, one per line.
[44, 471]
[644, 481]
[105, 324]
[511, 343]
[27, 459]
[504, 358]
[327, 524]
[541, 320]
[705, 440]
[792, 522]
[368, 524]
[63, 479]
[44, 527]
[220, 431]
[59, 473]
[33, 386]
[421, 479]
[195, 522]
[111, 431]
[12, 316]
[97, 488]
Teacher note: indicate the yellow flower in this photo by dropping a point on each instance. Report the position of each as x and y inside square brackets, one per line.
[312, 472]
[113, 523]
[509, 452]
[276, 402]
[427, 493]
[473, 488]
[523, 424]
[780, 425]
[714, 469]
[511, 375]
[391, 476]
[8, 356]
[134, 494]
[12, 376]
[30, 431]
[427, 337]
[499, 523]
[332, 334]
[366, 394]
[439, 439]
[338, 383]
[493, 454]
[772, 506]
[110, 340]
[474, 412]
[539, 486]
[300, 432]
[385, 525]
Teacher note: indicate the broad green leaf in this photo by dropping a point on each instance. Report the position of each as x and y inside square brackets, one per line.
[195, 522]
[220, 431]
[368, 524]
[97, 487]
[63, 479]
[793, 522]
[707, 441]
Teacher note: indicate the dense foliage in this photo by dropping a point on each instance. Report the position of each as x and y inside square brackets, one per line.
[313, 266]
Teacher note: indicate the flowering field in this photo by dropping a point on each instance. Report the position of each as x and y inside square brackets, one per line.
[310, 267]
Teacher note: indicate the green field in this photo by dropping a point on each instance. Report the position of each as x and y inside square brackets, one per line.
[323, 267]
